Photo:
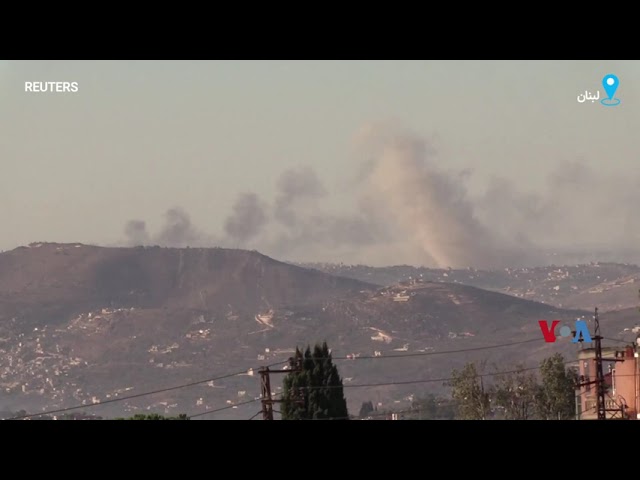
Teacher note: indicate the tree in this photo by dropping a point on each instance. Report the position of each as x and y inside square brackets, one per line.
[516, 393]
[467, 390]
[366, 409]
[313, 390]
[556, 396]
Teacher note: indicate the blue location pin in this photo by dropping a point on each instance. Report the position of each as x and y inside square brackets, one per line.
[610, 83]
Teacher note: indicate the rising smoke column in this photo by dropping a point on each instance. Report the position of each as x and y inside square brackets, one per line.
[136, 233]
[411, 210]
[178, 231]
[430, 206]
[294, 186]
[305, 227]
[247, 219]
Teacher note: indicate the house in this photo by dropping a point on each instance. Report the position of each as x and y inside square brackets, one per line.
[621, 368]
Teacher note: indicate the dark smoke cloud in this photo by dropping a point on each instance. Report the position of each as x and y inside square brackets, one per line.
[306, 228]
[177, 231]
[247, 220]
[410, 209]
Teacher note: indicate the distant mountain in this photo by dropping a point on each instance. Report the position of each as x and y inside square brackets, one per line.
[57, 280]
[609, 286]
[81, 325]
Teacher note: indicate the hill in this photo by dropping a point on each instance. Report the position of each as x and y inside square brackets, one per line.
[609, 286]
[52, 281]
[83, 325]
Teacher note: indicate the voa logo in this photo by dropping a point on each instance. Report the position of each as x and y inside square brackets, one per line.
[581, 332]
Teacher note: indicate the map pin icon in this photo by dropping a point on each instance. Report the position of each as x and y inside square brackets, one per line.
[610, 84]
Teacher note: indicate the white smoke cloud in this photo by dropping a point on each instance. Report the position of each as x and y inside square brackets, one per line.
[431, 207]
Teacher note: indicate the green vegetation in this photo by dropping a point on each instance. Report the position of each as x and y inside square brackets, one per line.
[366, 409]
[556, 395]
[467, 391]
[516, 395]
[313, 389]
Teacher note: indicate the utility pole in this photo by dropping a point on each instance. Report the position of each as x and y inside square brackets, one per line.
[265, 394]
[599, 382]
[265, 388]
[482, 400]
[600, 386]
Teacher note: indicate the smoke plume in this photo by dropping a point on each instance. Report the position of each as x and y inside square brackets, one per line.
[177, 231]
[432, 208]
[136, 233]
[247, 219]
[405, 207]
[295, 186]
[580, 213]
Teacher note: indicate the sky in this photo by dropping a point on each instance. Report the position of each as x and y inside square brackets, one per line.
[435, 163]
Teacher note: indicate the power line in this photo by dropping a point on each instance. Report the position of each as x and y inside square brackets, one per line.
[408, 382]
[224, 408]
[384, 414]
[254, 416]
[434, 380]
[363, 385]
[444, 402]
[442, 352]
[215, 410]
[412, 382]
[618, 340]
[430, 380]
[137, 395]
[222, 377]
[233, 406]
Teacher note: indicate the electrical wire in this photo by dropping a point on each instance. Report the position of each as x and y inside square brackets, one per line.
[435, 380]
[618, 340]
[215, 410]
[178, 387]
[408, 382]
[394, 383]
[259, 412]
[138, 395]
[443, 403]
[377, 385]
[443, 352]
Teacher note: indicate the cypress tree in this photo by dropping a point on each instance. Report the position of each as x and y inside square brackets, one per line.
[313, 390]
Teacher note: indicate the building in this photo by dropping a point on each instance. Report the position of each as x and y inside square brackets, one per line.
[621, 368]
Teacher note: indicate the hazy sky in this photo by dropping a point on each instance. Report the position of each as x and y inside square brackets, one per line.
[141, 138]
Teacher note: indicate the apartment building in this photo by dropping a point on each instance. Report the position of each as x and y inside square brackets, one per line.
[621, 368]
